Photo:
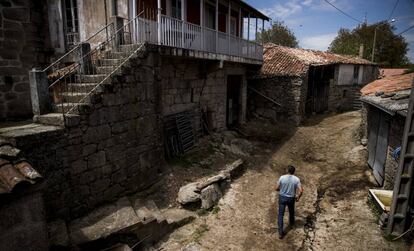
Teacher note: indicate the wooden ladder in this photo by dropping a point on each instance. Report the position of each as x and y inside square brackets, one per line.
[400, 208]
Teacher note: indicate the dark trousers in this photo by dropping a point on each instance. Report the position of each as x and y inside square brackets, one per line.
[290, 203]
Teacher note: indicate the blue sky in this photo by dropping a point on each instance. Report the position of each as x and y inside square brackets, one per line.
[315, 23]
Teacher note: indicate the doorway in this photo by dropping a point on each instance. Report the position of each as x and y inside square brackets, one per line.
[319, 80]
[233, 104]
[378, 125]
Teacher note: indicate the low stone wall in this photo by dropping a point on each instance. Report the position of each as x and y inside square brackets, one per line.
[24, 43]
[341, 97]
[395, 136]
[288, 91]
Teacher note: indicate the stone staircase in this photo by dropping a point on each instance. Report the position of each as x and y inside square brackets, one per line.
[139, 218]
[356, 101]
[84, 89]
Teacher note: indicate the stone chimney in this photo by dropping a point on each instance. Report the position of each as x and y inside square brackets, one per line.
[361, 51]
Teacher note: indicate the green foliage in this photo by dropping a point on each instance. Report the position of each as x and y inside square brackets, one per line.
[198, 233]
[410, 69]
[390, 49]
[279, 34]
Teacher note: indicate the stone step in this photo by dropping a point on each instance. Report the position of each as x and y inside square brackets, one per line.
[105, 69]
[109, 62]
[57, 119]
[96, 78]
[147, 211]
[128, 47]
[81, 108]
[87, 87]
[117, 55]
[75, 97]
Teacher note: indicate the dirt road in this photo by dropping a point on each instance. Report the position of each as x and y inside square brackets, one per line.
[333, 213]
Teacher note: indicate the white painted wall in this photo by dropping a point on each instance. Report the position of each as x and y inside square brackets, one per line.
[55, 18]
[346, 74]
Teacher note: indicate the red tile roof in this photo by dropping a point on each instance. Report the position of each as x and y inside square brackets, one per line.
[285, 61]
[14, 170]
[386, 72]
[389, 84]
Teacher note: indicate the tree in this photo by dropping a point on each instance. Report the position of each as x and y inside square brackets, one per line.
[390, 49]
[279, 34]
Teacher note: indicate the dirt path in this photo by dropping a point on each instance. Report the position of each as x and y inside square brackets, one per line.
[332, 215]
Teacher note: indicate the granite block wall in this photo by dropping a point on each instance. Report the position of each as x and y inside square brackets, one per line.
[115, 149]
[288, 91]
[23, 45]
[191, 84]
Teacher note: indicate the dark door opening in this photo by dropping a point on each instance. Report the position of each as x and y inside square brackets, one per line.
[318, 88]
[233, 100]
[378, 142]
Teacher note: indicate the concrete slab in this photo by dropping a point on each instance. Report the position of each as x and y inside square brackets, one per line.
[103, 221]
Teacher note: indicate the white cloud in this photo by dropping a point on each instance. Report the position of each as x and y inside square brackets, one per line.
[307, 2]
[317, 42]
[283, 10]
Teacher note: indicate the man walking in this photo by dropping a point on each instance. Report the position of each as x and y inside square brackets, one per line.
[290, 190]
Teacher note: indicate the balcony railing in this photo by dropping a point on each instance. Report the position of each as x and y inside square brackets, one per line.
[180, 34]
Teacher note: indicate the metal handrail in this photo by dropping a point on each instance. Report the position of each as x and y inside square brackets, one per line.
[76, 47]
[113, 36]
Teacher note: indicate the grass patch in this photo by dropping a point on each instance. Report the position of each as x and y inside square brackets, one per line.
[202, 212]
[215, 210]
[198, 233]
[374, 209]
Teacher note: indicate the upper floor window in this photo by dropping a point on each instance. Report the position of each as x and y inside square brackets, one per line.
[176, 9]
[210, 16]
[71, 23]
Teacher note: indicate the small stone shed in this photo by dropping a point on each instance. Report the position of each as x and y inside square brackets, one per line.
[385, 103]
[302, 82]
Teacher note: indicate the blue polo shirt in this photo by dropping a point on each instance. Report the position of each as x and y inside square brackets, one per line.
[288, 184]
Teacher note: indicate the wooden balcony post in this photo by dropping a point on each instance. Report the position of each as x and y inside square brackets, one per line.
[240, 31]
[217, 26]
[202, 24]
[183, 18]
[159, 9]
[255, 39]
[248, 34]
[228, 28]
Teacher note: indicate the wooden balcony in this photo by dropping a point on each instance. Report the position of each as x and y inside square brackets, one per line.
[202, 42]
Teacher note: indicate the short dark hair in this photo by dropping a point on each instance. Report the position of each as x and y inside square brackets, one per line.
[291, 169]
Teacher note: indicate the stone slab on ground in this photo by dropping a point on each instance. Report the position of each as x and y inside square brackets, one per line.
[103, 221]
[210, 196]
[178, 216]
[188, 194]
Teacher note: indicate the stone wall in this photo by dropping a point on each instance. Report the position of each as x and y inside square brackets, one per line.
[23, 222]
[395, 136]
[115, 149]
[342, 97]
[23, 45]
[192, 84]
[290, 92]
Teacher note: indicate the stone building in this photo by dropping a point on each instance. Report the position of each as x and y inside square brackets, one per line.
[123, 83]
[294, 83]
[24, 44]
[385, 104]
